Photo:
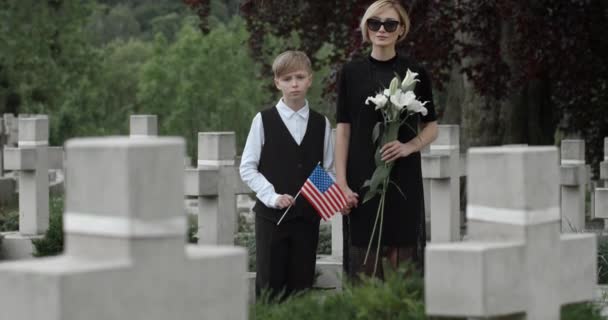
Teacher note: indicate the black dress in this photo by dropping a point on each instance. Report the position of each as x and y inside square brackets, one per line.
[403, 223]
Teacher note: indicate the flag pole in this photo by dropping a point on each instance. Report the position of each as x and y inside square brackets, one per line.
[294, 201]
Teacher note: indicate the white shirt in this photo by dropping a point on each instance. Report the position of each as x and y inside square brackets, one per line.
[296, 123]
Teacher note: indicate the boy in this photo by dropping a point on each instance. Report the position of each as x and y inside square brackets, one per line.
[284, 145]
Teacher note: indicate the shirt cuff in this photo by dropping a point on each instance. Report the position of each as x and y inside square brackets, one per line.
[271, 201]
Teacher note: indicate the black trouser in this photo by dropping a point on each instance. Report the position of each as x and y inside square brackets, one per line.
[285, 255]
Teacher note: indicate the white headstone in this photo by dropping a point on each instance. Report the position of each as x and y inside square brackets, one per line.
[215, 182]
[573, 176]
[143, 125]
[124, 254]
[600, 204]
[31, 160]
[329, 267]
[604, 164]
[517, 263]
[442, 169]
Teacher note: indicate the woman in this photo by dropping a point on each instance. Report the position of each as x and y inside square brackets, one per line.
[384, 24]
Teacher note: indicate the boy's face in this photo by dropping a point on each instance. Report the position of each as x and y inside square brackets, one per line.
[294, 85]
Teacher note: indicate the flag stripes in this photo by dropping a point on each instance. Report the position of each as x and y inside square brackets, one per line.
[323, 194]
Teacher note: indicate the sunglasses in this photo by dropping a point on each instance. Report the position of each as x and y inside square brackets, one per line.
[389, 25]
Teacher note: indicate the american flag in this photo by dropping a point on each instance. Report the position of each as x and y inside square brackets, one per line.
[323, 193]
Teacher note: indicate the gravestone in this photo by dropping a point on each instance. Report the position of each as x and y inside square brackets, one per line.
[31, 160]
[125, 256]
[329, 267]
[441, 168]
[604, 164]
[517, 265]
[143, 125]
[573, 179]
[600, 195]
[215, 183]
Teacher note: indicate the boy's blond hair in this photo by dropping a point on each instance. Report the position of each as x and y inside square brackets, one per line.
[291, 61]
[380, 5]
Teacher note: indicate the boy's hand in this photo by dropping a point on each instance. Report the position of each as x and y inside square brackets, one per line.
[284, 201]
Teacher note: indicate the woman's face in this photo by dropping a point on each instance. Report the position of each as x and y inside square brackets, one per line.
[383, 37]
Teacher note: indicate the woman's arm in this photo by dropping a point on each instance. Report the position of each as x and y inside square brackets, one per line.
[341, 156]
[395, 149]
[341, 152]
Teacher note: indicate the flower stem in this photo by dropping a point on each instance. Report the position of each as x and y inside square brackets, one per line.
[371, 238]
[382, 201]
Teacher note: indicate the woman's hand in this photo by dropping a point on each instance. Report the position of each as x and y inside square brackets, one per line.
[395, 150]
[352, 199]
[284, 201]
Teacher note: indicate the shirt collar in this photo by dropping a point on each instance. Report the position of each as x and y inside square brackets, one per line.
[287, 112]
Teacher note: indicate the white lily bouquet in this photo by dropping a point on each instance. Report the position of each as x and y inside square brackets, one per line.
[396, 104]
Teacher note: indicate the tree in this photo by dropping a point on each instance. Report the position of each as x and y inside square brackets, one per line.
[202, 8]
[203, 82]
[44, 53]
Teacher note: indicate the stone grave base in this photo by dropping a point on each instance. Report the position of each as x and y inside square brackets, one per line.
[329, 271]
[16, 246]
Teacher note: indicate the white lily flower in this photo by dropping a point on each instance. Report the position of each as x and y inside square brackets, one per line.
[401, 99]
[409, 83]
[417, 106]
[379, 100]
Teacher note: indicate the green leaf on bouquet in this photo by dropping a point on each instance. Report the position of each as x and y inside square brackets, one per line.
[366, 184]
[392, 131]
[398, 189]
[376, 132]
[380, 175]
[378, 158]
[370, 195]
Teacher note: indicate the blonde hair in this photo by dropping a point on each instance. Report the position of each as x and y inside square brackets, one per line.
[381, 5]
[290, 61]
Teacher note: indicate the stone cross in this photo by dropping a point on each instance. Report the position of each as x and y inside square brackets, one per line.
[604, 164]
[600, 195]
[33, 158]
[11, 129]
[143, 125]
[125, 256]
[442, 168]
[329, 268]
[600, 205]
[30, 158]
[216, 183]
[517, 265]
[573, 177]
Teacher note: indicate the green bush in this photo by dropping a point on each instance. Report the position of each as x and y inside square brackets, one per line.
[9, 220]
[52, 243]
[192, 228]
[581, 311]
[399, 297]
[602, 260]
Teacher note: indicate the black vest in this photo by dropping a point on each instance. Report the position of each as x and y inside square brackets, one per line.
[287, 165]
